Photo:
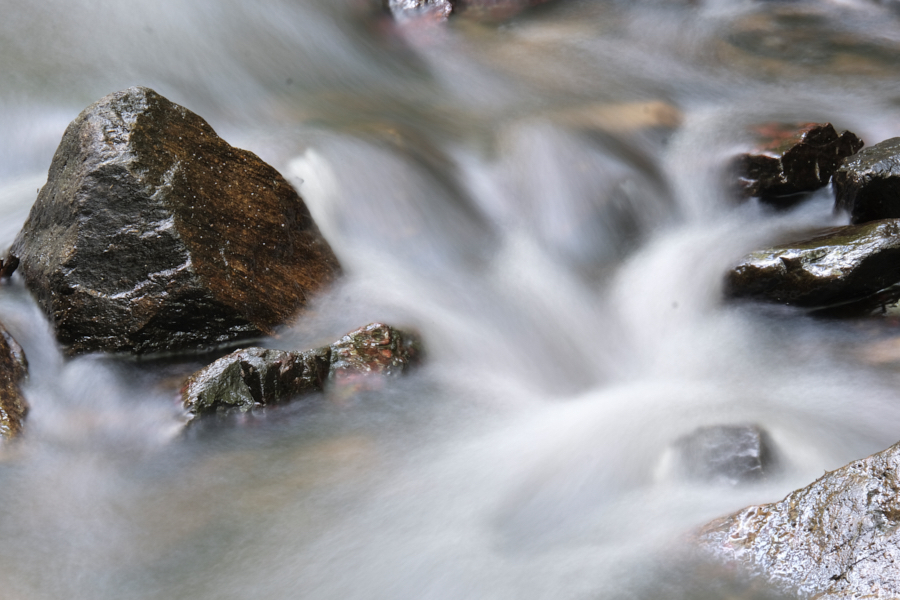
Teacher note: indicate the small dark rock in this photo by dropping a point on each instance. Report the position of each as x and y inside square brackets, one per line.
[838, 538]
[790, 159]
[845, 264]
[867, 185]
[731, 454]
[255, 377]
[13, 371]
[153, 234]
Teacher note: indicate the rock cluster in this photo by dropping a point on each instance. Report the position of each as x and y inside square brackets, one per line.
[836, 538]
[790, 159]
[13, 371]
[256, 377]
[153, 234]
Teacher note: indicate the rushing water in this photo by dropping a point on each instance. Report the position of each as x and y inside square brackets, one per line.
[544, 200]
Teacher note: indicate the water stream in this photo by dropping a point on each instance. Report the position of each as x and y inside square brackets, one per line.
[544, 200]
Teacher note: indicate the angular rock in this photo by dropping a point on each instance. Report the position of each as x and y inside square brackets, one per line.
[730, 454]
[843, 265]
[255, 377]
[789, 159]
[374, 349]
[867, 185]
[153, 234]
[13, 371]
[836, 538]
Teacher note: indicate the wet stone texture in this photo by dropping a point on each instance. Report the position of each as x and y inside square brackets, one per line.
[13, 371]
[838, 538]
[442, 9]
[845, 264]
[431, 9]
[790, 159]
[867, 185]
[727, 454]
[255, 377]
[153, 234]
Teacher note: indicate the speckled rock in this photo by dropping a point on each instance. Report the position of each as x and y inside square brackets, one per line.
[153, 234]
[726, 454]
[255, 377]
[838, 538]
[789, 159]
[13, 371]
[842, 265]
[867, 185]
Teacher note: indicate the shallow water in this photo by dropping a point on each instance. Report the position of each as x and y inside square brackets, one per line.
[544, 200]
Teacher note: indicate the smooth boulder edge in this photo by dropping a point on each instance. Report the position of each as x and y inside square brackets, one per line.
[838, 538]
[153, 234]
[257, 377]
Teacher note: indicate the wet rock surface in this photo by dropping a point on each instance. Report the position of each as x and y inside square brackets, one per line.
[845, 264]
[867, 185]
[432, 9]
[726, 454]
[837, 538]
[154, 234]
[442, 9]
[790, 159]
[13, 371]
[254, 377]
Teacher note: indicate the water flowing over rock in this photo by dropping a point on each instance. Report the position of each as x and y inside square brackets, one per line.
[442, 9]
[837, 538]
[257, 377]
[730, 454]
[842, 265]
[790, 159]
[154, 234]
[13, 371]
[867, 185]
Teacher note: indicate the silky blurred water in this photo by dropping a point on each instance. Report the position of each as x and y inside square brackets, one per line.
[544, 200]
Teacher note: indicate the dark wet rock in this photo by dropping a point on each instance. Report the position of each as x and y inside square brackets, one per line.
[13, 371]
[790, 159]
[431, 9]
[867, 185]
[836, 538]
[730, 454]
[153, 234]
[844, 264]
[255, 377]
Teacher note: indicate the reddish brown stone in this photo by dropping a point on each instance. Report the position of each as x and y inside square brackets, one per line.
[13, 371]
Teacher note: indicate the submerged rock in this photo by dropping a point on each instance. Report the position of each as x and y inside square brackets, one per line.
[13, 371]
[867, 185]
[153, 234]
[790, 159]
[255, 377]
[845, 264]
[730, 454]
[836, 538]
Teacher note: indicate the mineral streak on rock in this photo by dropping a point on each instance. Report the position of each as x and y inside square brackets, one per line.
[845, 264]
[731, 454]
[153, 234]
[867, 185]
[256, 377]
[789, 159]
[838, 538]
[13, 371]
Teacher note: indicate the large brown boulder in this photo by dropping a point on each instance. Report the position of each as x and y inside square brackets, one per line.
[154, 234]
[13, 371]
[838, 538]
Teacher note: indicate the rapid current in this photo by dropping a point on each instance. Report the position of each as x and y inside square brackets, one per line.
[545, 200]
